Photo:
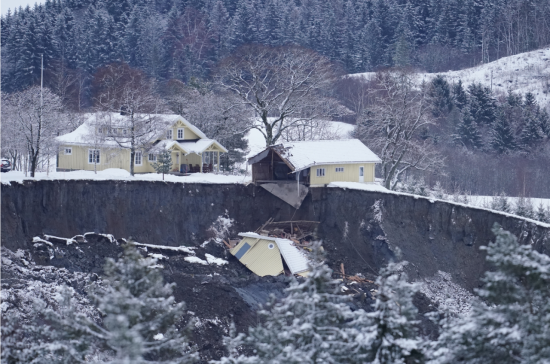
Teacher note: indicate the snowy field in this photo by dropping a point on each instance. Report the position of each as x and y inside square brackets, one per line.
[122, 175]
[524, 72]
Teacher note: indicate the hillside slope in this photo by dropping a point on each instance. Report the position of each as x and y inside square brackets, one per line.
[522, 73]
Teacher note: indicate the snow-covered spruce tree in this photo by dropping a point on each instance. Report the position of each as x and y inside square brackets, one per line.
[500, 203]
[542, 214]
[311, 324]
[163, 163]
[502, 135]
[509, 322]
[390, 333]
[524, 207]
[467, 133]
[141, 323]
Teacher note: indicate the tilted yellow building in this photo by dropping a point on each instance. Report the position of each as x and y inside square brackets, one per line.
[315, 163]
[86, 149]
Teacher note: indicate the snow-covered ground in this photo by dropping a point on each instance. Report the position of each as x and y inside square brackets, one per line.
[480, 202]
[484, 201]
[122, 175]
[524, 72]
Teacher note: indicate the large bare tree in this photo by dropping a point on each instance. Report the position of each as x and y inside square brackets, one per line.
[33, 120]
[133, 121]
[285, 86]
[392, 126]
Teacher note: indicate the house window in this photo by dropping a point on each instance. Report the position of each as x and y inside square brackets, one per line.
[180, 133]
[320, 172]
[124, 131]
[93, 156]
[206, 158]
[68, 151]
[152, 157]
[137, 159]
[169, 134]
[339, 169]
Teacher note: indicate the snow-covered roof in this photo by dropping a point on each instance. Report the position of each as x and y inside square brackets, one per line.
[294, 258]
[81, 135]
[200, 146]
[302, 155]
[194, 146]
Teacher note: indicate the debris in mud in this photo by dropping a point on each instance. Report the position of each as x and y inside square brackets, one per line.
[276, 247]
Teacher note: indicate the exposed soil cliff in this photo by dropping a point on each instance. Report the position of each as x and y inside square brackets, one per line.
[361, 229]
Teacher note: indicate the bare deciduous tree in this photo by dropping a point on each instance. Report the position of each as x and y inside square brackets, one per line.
[285, 86]
[392, 125]
[34, 122]
[219, 115]
[133, 105]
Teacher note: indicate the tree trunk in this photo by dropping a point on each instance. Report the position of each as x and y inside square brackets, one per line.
[132, 154]
[268, 130]
[34, 160]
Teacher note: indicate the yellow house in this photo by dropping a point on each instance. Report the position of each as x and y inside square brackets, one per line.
[264, 255]
[85, 149]
[315, 163]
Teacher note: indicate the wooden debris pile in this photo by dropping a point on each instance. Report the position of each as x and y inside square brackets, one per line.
[301, 232]
[355, 278]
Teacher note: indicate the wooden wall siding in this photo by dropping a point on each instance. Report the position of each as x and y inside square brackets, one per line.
[117, 158]
[261, 171]
[350, 174]
[187, 133]
[109, 158]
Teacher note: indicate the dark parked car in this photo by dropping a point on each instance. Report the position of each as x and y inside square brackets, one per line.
[6, 165]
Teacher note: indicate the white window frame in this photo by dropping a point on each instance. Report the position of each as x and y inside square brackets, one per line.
[68, 150]
[182, 131]
[320, 172]
[92, 158]
[154, 159]
[169, 134]
[136, 158]
[339, 169]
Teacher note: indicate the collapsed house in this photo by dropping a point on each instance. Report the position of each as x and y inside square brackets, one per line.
[275, 248]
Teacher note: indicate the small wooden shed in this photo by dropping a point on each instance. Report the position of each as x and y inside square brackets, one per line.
[264, 255]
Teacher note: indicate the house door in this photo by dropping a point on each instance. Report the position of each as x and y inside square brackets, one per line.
[361, 174]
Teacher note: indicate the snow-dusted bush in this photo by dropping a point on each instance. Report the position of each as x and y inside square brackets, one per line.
[138, 322]
[509, 321]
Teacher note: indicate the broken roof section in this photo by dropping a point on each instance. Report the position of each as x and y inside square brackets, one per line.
[263, 255]
[302, 155]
